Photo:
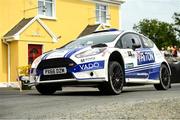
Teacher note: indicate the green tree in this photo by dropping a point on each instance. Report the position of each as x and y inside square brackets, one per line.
[163, 34]
[176, 18]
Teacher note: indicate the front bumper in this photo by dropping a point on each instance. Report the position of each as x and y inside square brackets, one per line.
[92, 71]
[64, 81]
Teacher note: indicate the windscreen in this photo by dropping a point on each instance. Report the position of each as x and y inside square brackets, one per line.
[92, 40]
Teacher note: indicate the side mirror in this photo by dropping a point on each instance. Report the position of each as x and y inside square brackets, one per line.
[134, 46]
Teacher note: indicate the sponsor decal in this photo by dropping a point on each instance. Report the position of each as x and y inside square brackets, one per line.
[71, 52]
[130, 53]
[87, 59]
[145, 57]
[129, 65]
[88, 66]
[142, 74]
[137, 75]
[150, 73]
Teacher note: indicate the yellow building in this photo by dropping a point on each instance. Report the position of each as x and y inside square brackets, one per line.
[30, 27]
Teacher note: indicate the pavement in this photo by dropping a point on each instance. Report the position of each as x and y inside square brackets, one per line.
[140, 102]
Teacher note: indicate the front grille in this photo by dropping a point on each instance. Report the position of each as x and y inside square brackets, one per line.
[56, 77]
[55, 63]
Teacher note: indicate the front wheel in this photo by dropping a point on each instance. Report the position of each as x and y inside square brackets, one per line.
[46, 89]
[116, 78]
[164, 77]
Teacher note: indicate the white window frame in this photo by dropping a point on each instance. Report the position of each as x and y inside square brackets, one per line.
[100, 10]
[53, 10]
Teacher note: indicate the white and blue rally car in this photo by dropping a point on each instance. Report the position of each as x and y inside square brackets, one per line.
[107, 59]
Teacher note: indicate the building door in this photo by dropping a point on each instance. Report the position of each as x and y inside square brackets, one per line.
[34, 51]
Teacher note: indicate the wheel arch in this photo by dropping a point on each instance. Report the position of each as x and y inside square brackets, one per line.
[164, 82]
[116, 56]
[167, 65]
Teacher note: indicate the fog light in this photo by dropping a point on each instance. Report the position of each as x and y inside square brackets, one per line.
[91, 74]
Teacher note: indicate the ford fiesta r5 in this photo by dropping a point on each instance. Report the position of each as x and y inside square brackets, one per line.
[106, 59]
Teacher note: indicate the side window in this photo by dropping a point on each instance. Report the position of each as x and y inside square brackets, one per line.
[126, 41]
[129, 39]
[118, 44]
[147, 43]
[136, 39]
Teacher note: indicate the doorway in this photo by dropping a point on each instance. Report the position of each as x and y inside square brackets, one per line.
[34, 51]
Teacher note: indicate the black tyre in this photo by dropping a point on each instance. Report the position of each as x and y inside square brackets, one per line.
[165, 79]
[26, 87]
[46, 89]
[116, 78]
[175, 70]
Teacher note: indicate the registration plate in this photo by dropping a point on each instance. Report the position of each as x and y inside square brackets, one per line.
[55, 71]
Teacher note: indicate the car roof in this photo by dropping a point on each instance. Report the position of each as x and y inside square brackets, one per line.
[115, 31]
[111, 32]
[103, 33]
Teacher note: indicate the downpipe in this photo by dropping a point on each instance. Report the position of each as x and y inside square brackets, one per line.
[9, 62]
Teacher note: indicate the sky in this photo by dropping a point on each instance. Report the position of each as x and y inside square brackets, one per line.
[132, 11]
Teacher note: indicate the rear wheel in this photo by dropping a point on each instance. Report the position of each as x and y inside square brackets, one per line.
[46, 89]
[115, 83]
[164, 77]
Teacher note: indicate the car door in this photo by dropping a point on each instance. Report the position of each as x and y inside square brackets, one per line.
[147, 59]
[129, 53]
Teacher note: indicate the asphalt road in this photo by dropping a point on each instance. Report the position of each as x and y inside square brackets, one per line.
[87, 103]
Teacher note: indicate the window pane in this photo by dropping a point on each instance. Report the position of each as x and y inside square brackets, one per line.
[93, 39]
[103, 7]
[97, 6]
[101, 12]
[147, 43]
[136, 39]
[49, 9]
[127, 41]
[49, 0]
[103, 17]
[46, 8]
[40, 8]
[97, 15]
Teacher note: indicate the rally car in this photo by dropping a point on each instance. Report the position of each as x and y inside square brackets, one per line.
[107, 59]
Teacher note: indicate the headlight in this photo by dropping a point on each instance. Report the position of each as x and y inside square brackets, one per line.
[91, 52]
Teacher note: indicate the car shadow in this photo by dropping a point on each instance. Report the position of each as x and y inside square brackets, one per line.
[71, 93]
[91, 93]
[79, 93]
